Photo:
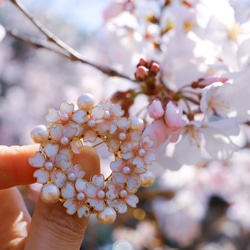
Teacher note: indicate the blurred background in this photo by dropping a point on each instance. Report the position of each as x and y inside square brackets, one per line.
[194, 208]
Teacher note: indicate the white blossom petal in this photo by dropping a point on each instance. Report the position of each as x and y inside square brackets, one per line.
[120, 177]
[97, 113]
[132, 200]
[146, 142]
[42, 176]
[76, 146]
[90, 136]
[98, 204]
[79, 116]
[133, 184]
[81, 185]
[69, 131]
[56, 132]
[67, 108]
[123, 123]
[59, 178]
[37, 161]
[98, 180]
[68, 191]
[52, 115]
[91, 190]
[83, 211]
[51, 150]
[112, 192]
[71, 206]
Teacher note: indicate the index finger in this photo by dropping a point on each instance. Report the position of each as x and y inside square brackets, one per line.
[14, 166]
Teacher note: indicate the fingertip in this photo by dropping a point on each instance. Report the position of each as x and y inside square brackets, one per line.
[14, 166]
[89, 160]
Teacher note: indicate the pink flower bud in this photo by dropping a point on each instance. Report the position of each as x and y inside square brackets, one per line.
[141, 73]
[155, 68]
[155, 109]
[143, 62]
[173, 116]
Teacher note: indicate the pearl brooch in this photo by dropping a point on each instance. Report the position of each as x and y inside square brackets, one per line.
[63, 181]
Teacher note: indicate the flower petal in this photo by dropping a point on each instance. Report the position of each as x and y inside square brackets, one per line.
[81, 185]
[52, 116]
[76, 146]
[67, 108]
[68, 191]
[83, 211]
[71, 206]
[37, 161]
[56, 132]
[98, 180]
[51, 150]
[132, 200]
[79, 116]
[133, 184]
[59, 178]
[42, 176]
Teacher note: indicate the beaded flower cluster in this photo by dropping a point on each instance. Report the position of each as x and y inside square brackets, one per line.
[63, 181]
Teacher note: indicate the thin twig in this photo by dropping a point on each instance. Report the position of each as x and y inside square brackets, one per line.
[72, 54]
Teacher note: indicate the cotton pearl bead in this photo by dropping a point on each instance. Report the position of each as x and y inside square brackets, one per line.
[106, 114]
[136, 123]
[142, 152]
[48, 165]
[122, 136]
[100, 194]
[50, 193]
[80, 196]
[86, 102]
[39, 134]
[147, 179]
[126, 170]
[64, 117]
[107, 216]
[123, 193]
[91, 123]
[72, 177]
[64, 141]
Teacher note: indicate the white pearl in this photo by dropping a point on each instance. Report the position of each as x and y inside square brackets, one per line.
[106, 114]
[91, 123]
[86, 102]
[136, 123]
[39, 133]
[64, 117]
[147, 179]
[50, 193]
[80, 196]
[126, 170]
[64, 141]
[142, 152]
[100, 194]
[107, 216]
[48, 165]
[72, 177]
[123, 193]
[122, 136]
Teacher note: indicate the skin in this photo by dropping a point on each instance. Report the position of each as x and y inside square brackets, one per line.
[50, 227]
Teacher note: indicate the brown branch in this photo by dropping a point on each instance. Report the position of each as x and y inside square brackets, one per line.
[72, 54]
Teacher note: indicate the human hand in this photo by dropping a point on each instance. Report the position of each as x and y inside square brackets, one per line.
[50, 227]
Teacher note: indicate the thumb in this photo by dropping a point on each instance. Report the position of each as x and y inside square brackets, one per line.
[51, 227]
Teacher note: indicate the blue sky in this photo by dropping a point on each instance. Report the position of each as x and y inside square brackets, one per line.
[84, 14]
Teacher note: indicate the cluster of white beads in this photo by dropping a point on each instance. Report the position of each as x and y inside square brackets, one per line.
[63, 181]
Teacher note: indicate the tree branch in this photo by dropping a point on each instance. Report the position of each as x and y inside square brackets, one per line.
[71, 53]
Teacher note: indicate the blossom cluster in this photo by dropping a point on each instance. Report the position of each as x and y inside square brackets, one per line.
[63, 180]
